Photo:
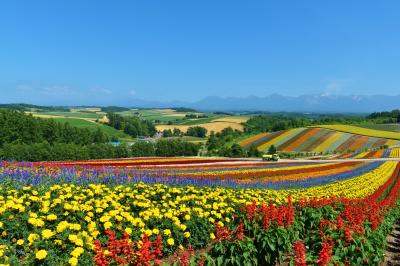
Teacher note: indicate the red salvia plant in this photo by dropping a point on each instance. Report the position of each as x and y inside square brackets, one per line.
[122, 251]
[325, 254]
[299, 254]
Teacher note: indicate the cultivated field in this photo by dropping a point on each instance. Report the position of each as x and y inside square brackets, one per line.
[384, 127]
[148, 211]
[317, 140]
[92, 125]
[364, 131]
[216, 126]
[382, 153]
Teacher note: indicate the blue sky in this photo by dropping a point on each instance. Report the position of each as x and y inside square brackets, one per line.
[111, 51]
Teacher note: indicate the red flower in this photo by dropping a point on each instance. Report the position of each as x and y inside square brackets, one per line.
[325, 254]
[299, 254]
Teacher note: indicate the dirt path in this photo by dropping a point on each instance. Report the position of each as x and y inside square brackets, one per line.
[392, 254]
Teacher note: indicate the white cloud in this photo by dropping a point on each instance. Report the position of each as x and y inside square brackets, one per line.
[334, 87]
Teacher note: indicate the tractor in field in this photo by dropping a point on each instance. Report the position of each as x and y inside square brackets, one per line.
[270, 157]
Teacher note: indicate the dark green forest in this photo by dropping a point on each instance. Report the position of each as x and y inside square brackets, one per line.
[276, 122]
[18, 127]
[131, 125]
[69, 151]
[26, 138]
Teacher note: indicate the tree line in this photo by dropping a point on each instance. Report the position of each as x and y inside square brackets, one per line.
[386, 117]
[131, 125]
[69, 151]
[277, 122]
[18, 127]
[196, 131]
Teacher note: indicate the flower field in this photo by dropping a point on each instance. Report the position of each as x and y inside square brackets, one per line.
[196, 211]
[364, 131]
[383, 153]
[318, 140]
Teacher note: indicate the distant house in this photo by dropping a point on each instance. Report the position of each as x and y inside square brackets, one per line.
[144, 138]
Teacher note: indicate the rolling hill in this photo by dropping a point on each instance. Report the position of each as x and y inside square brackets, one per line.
[316, 140]
[371, 132]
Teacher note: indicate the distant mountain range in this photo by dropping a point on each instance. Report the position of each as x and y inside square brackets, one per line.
[279, 103]
[274, 103]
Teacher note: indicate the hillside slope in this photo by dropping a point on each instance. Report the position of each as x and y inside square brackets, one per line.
[316, 140]
[363, 131]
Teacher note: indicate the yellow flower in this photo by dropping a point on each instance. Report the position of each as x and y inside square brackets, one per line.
[187, 217]
[170, 241]
[41, 254]
[51, 217]
[46, 234]
[79, 242]
[20, 242]
[128, 231]
[212, 236]
[32, 238]
[156, 231]
[73, 261]
[107, 225]
[148, 232]
[186, 234]
[72, 238]
[1, 224]
[167, 232]
[77, 252]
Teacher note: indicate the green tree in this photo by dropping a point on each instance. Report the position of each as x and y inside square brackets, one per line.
[196, 131]
[237, 151]
[272, 149]
[143, 149]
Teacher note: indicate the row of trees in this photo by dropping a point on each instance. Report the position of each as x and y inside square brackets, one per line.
[386, 117]
[18, 127]
[131, 125]
[276, 122]
[195, 131]
[67, 151]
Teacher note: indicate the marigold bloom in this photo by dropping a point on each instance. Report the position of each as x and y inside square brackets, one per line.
[41, 254]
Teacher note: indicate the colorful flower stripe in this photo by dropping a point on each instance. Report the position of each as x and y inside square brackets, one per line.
[262, 173]
[314, 140]
[295, 140]
[136, 162]
[366, 155]
[51, 216]
[395, 153]
[317, 140]
[265, 139]
[324, 146]
[282, 138]
[253, 141]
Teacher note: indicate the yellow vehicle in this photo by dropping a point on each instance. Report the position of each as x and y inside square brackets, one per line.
[270, 157]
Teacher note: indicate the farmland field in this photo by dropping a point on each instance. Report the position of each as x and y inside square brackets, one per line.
[384, 127]
[84, 115]
[316, 140]
[161, 115]
[92, 125]
[382, 153]
[216, 126]
[163, 210]
[364, 131]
